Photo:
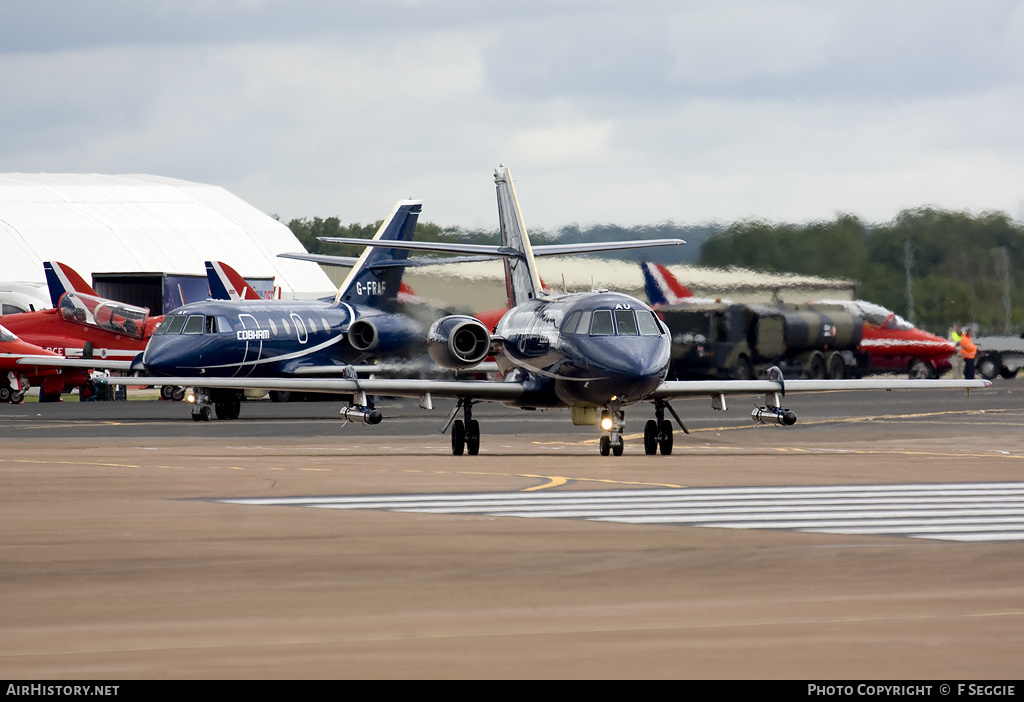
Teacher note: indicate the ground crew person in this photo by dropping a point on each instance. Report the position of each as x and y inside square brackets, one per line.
[967, 352]
[955, 361]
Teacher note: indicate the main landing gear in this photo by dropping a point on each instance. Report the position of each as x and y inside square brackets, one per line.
[227, 404]
[465, 431]
[658, 431]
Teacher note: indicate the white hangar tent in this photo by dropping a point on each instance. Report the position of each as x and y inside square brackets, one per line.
[143, 224]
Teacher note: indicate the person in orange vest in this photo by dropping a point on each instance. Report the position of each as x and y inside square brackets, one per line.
[968, 350]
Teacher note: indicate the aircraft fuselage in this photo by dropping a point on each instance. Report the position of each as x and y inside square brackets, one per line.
[584, 349]
[275, 338]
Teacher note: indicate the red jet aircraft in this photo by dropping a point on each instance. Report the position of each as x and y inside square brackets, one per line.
[82, 325]
[15, 379]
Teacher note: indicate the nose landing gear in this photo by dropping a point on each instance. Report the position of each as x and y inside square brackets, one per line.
[613, 421]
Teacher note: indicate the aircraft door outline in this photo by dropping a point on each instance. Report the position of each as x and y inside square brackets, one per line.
[300, 328]
[249, 322]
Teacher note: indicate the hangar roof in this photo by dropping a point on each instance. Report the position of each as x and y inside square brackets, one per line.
[142, 223]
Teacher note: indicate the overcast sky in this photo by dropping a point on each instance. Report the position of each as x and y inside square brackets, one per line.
[605, 112]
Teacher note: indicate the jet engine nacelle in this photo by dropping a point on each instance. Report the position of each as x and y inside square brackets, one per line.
[382, 333]
[458, 342]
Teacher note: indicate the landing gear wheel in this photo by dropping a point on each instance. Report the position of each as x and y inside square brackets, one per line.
[472, 437]
[17, 397]
[166, 392]
[665, 444]
[5, 394]
[178, 394]
[651, 437]
[617, 448]
[605, 446]
[458, 438]
[197, 417]
[205, 414]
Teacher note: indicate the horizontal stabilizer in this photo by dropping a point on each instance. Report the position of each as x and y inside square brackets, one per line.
[489, 251]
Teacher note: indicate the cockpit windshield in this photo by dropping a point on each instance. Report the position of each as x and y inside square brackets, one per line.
[7, 335]
[613, 323]
[194, 324]
[882, 317]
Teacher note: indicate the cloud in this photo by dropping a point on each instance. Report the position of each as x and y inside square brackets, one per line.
[604, 112]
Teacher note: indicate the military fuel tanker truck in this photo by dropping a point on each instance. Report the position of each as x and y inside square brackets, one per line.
[723, 340]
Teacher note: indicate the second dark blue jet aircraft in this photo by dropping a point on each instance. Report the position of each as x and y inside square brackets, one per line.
[295, 338]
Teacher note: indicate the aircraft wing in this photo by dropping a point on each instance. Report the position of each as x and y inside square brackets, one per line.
[61, 362]
[398, 387]
[698, 388]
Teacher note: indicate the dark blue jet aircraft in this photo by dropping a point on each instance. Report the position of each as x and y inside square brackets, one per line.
[595, 353]
[257, 338]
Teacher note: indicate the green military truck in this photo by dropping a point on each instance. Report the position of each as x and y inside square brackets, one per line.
[719, 340]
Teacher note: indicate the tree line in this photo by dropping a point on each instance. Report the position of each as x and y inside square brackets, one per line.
[961, 268]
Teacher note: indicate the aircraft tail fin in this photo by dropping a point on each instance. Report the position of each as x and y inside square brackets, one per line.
[226, 284]
[522, 282]
[661, 286]
[62, 278]
[376, 278]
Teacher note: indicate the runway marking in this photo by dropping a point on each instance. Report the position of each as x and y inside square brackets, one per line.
[966, 512]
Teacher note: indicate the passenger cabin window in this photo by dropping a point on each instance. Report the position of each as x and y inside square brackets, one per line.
[273, 326]
[193, 325]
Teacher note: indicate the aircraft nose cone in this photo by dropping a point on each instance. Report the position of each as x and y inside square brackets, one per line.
[161, 358]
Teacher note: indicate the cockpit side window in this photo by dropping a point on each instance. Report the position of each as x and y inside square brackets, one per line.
[602, 323]
[584, 324]
[570, 324]
[648, 323]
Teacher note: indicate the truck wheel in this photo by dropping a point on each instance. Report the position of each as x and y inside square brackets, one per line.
[988, 367]
[816, 367]
[836, 367]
